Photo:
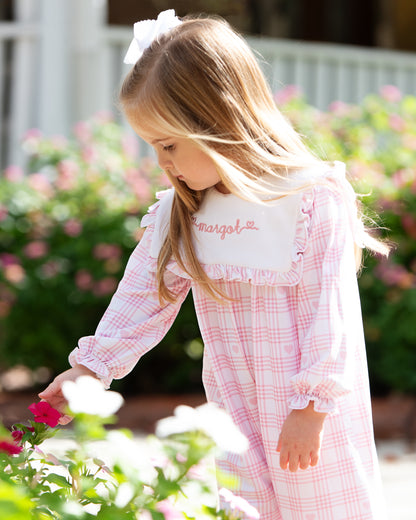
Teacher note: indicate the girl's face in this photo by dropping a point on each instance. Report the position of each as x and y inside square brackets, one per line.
[183, 160]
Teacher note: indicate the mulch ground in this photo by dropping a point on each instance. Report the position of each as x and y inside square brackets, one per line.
[394, 416]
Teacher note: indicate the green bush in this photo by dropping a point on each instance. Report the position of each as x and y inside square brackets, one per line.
[68, 227]
[377, 141]
[66, 231]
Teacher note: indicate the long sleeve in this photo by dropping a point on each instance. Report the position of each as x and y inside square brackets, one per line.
[329, 316]
[134, 322]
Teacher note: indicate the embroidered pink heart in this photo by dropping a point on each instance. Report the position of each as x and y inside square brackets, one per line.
[288, 348]
[253, 400]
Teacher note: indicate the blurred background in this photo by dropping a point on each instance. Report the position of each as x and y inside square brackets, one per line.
[75, 181]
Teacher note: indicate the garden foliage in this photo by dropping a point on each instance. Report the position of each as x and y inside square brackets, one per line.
[163, 477]
[68, 227]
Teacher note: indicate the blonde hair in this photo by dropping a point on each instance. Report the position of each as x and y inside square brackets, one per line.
[201, 81]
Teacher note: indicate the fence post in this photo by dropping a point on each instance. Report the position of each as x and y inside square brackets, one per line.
[88, 57]
[54, 68]
[21, 96]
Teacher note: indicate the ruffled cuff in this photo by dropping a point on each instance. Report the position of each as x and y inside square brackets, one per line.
[77, 357]
[321, 404]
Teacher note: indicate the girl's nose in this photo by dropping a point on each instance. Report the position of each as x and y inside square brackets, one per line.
[163, 160]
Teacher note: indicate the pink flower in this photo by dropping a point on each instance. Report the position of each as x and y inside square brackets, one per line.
[44, 413]
[82, 131]
[339, 108]
[10, 448]
[40, 183]
[51, 269]
[286, 94]
[391, 93]
[3, 213]
[73, 227]
[68, 172]
[36, 249]
[17, 436]
[7, 259]
[14, 273]
[396, 122]
[83, 280]
[168, 510]
[105, 286]
[13, 174]
[238, 504]
[107, 251]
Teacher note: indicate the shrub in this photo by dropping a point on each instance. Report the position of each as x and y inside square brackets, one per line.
[66, 231]
[67, 228]
[165, 476]
[377, 141]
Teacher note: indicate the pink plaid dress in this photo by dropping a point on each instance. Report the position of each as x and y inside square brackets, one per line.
[292, 333]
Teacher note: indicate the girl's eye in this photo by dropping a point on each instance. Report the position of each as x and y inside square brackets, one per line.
[169, 148]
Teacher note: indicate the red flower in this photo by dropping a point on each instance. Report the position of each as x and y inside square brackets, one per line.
[17, 435]
[44, 413]
[10, 448]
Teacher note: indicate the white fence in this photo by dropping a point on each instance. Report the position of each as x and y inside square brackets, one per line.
[60, 62]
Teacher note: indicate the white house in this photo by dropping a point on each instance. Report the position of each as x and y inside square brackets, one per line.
[61, 62]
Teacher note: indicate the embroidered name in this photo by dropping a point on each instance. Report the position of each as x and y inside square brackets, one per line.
[223, 229]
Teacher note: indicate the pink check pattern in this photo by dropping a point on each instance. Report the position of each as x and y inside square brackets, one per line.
[276, 346]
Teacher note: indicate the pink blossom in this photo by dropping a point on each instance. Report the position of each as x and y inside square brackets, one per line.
[68, 171]
[3, 213]
[40, 183]
[339, 108]
[83, 280]
[73, 227]
[51, 269]
[391, 93]
[14, 273]
[238, 504]
[105, 251]
[395, 275]
[9, 447]
[7, 259]
[59, 142]
[168, 510]
[17, 436]
[90, 154]
[82, 131]
[287, 94]
[13, 174]
[396, 122]
[105, 286]
[36, 249]
[44, 413]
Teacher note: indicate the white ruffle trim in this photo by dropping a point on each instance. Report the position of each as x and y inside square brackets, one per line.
[321, 404]
[248, 274]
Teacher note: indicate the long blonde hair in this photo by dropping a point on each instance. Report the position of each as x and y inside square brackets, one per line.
[201, 81]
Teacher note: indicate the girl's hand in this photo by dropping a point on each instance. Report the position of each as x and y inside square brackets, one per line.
[53, 393]
[300, 439]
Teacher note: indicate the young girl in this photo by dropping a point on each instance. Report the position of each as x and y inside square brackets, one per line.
[266, 236]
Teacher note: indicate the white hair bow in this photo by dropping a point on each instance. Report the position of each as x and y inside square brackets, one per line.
[148, 30]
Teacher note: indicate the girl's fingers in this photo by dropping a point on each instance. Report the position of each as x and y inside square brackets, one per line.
[304, 461]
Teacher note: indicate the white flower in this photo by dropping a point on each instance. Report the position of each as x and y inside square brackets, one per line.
[238, 505]
[213, 421]
[88, 395]
[148, 30]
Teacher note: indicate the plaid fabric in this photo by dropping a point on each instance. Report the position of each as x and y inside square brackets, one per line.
[274, 347]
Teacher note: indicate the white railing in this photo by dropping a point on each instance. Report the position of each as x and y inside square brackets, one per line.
[67, 64]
